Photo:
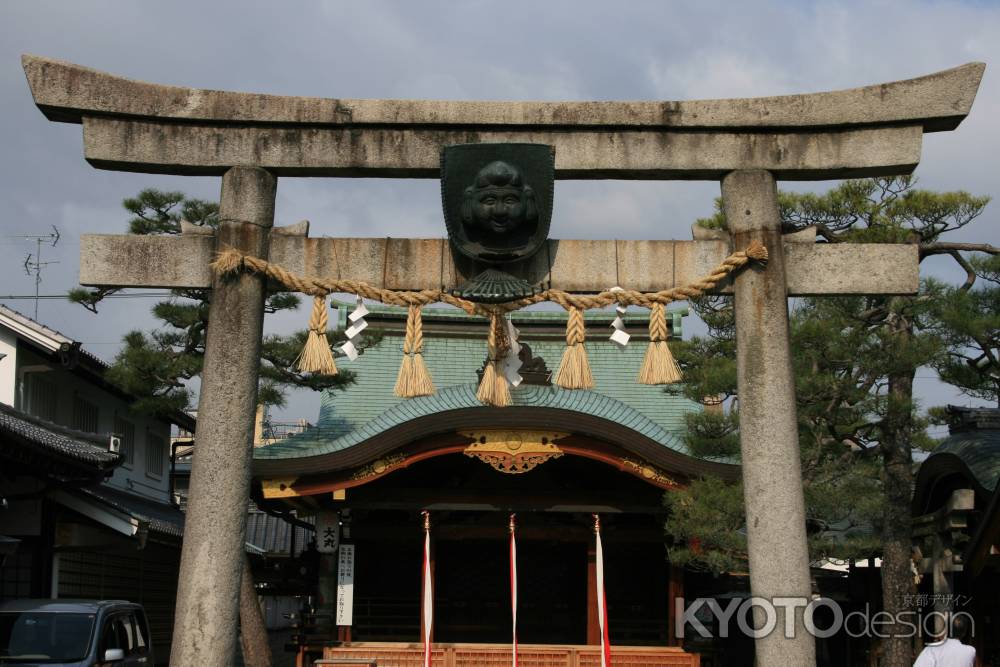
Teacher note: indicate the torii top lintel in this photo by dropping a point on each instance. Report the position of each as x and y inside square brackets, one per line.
[136, 126]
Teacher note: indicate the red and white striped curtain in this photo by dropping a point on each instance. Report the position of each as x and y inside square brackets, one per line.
[428, 605]
[602, 603]
[513, 588]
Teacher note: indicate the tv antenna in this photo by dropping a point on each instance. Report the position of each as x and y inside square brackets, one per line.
[33, 267]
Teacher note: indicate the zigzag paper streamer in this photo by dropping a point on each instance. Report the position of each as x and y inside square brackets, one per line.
[512, 362]
[353, 332]
[619, 336]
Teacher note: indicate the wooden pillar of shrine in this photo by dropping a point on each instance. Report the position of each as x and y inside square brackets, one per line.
[593, 625]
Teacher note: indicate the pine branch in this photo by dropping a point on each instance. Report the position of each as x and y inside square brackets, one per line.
[944, 247]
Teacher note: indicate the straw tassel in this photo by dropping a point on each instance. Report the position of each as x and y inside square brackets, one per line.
[574, 370]
[316, 356]
[659, 366]
[493, 388]
[414, 379]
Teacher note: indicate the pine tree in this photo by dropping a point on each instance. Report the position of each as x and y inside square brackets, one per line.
[970, 326]
[855, 359]
[156, 366]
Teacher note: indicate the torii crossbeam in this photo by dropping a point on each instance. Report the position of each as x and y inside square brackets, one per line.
[251, 139]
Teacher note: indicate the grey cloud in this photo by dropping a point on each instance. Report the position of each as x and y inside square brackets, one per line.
[513, 50]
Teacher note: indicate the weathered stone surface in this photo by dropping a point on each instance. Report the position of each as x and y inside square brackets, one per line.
[208, 587]
[68, 92]
[154, 147]
[136, 126]
[570, 265]
[146, 261]
[769, 436]
[825, 268]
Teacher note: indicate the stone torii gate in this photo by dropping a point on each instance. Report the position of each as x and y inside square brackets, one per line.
[251, 139]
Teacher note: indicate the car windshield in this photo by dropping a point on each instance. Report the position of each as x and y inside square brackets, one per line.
[38, 636]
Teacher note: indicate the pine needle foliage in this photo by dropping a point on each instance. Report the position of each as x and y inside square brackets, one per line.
[158, 366]
[854, 363]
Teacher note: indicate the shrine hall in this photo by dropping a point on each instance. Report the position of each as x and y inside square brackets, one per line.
[551, 461]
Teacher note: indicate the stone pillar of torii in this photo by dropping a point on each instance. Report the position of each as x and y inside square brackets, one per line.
[250, 140]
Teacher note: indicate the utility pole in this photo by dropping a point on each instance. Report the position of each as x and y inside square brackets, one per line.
[34, 267]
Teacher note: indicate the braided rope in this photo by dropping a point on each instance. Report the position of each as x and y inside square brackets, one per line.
[319, 318]
[574, 369]
[497, 342]
[418, 330]
[231, 260]
[414, 339]
[659, 365]
[576, 329]
[316, 356]
[574, 372]
[658, 323]
[493, 387]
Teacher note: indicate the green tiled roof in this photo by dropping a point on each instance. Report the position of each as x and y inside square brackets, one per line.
[369, 407]
[979, 450]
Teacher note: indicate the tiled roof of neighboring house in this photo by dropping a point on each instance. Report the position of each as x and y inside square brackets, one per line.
[168, 520]
[369, 407]
[72, 354]
[968, 458]
[50, 338]
[979, 450]
[160, 517]
[273, 535]
[55, 441]
[56, 337]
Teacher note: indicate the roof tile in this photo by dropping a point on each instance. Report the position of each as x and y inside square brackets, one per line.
[369, 407]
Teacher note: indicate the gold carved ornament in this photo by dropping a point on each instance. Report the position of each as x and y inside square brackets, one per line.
[513, 452]
[648, 472]
[279, 487]
[378, 466]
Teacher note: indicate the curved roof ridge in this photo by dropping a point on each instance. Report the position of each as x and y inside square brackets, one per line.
[311, 442]
[978, 450]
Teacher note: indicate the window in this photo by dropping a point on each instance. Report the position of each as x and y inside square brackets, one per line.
[84, 415]
[139, 634]
[115, 634]
[156, 450]
[41, 397]
[54, 637]
[126, 431]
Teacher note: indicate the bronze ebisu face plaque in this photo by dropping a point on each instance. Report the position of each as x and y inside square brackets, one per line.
[497, 202]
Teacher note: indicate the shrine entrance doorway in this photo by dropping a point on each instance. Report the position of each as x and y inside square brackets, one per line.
[472, 585]
[470, 505]
[472, 602]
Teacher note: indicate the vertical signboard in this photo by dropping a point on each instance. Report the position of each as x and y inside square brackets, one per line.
[345, 585]
[327, 532]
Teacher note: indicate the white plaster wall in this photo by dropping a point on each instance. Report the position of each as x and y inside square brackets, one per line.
[132, 478]
[8, 366]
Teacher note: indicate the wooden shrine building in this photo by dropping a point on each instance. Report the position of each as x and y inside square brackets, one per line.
[554, 458]
[956, 526]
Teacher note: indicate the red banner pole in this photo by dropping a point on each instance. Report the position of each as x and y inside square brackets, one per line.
[428, 606]
[602, 603]
[513, 588]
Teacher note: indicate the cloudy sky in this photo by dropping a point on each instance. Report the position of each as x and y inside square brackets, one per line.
[558, 50]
